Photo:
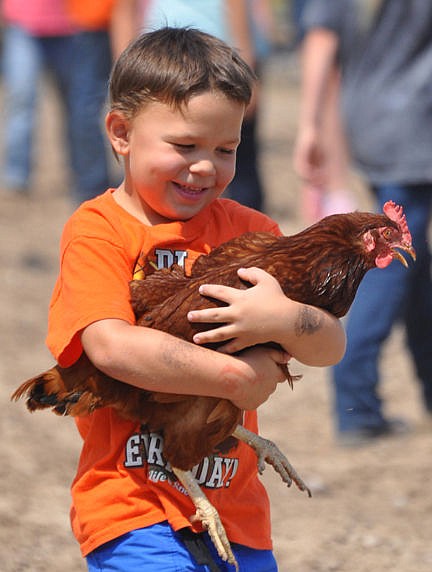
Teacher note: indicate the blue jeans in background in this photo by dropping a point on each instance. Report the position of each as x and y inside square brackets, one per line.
[384, 297]
[88, 93]
[246, 187]
[22, 63]
[80, 66]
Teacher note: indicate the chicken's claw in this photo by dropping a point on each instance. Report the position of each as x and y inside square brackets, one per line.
[210, 520]
[208, 516]
[268, 452]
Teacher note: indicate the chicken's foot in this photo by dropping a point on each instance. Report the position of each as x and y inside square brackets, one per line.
[207, 515]
[268, 452]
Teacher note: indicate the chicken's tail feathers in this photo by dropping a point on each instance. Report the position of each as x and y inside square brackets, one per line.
[63, 390]
[44, 391]
[24, 389]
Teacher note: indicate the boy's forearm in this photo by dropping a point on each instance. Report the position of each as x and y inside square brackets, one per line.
[317, 339]
[156, 361]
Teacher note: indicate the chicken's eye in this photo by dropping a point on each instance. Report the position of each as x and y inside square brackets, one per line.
[387, 234]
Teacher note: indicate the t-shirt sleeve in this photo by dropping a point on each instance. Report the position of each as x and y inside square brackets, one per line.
[93, 285]
[322, 14]
[245, 219]
[263, 223]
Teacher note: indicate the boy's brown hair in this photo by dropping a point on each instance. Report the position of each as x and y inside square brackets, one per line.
[170, 65]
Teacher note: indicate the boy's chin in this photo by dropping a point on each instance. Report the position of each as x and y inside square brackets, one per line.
[183, 212]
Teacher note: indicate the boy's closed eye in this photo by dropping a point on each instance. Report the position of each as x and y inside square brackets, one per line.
[227, 151]
[184, 145]
[191, 146]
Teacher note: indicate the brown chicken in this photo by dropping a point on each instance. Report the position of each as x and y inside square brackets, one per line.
[321, 266]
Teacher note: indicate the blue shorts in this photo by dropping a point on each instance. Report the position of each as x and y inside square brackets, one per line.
[158, 548]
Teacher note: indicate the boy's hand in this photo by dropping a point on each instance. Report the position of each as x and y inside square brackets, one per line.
[265, 364]
[251, 317]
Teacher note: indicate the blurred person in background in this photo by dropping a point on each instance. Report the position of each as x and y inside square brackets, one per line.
[383, 49]
[35, 35]
[296, 13]
[243, 24]
[52, 35]
[333, 193]
[92, 60]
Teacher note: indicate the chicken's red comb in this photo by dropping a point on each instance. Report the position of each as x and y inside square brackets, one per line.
[396, 214]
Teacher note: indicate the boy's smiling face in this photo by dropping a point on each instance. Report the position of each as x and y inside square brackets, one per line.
[177, 161]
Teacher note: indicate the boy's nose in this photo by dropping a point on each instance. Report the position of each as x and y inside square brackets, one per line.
[203, 167]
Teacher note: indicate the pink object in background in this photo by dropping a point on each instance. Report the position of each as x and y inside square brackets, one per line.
[317, 203]
[38, 17]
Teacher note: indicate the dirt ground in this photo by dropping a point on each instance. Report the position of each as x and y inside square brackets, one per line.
[371, 508]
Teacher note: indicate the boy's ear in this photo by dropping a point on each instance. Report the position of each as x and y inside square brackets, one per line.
[117, 127]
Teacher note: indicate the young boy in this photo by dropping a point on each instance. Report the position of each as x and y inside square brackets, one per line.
[177, 102]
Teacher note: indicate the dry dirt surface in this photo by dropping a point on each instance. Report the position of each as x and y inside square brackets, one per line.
[371, 508]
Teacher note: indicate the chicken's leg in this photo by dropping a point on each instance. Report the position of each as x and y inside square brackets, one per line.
[267, 451]
[208, 515]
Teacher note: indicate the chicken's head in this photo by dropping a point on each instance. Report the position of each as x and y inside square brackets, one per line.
[388, 241]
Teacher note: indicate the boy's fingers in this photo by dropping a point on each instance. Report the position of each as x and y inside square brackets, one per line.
[252, 275]
[232, 347]
[222, 293]
[220, 334]
[210, 315]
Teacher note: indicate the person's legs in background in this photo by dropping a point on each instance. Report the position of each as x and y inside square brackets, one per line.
[58, 57]
[418, 310]
[22, 63]
[89, 153]
[246, 188]
[380, 301]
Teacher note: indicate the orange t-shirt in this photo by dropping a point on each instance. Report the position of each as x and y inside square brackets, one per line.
[123, 481]
[91, 15]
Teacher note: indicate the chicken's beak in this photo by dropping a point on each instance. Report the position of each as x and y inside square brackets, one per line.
[408, 249]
